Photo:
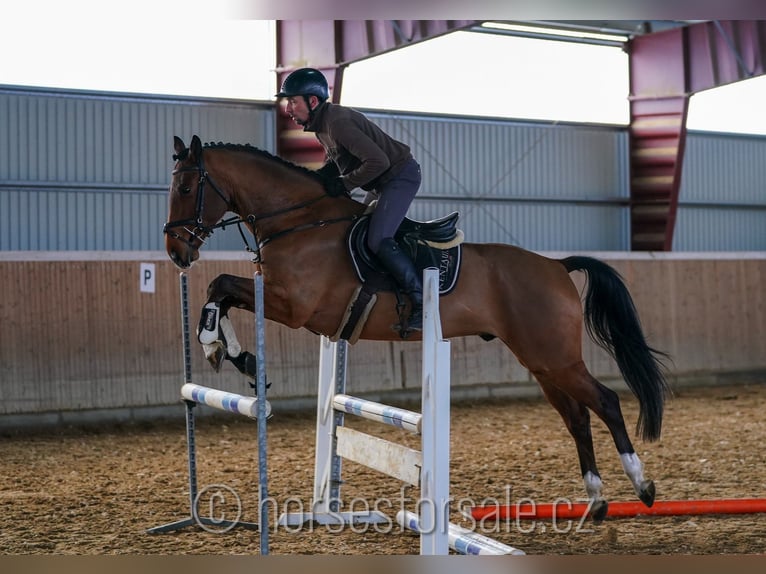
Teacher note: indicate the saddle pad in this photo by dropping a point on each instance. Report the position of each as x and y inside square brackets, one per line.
[447, 261]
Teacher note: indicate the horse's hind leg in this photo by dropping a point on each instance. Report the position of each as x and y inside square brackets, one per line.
[583, 388]
[215, 331]
[577, 420]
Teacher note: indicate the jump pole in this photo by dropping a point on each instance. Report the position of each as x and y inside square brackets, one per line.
[461, 539]
[223, 400]
[569, 511]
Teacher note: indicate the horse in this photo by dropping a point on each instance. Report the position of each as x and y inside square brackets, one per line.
[526, 300]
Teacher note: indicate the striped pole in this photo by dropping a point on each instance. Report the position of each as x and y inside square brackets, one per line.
[381, 413]
[461, 540]
[223, 400]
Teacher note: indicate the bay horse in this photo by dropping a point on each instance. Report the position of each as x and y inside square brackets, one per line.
[526, 300]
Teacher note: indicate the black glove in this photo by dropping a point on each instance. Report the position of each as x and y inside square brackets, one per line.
[336, 187]
[328, 171]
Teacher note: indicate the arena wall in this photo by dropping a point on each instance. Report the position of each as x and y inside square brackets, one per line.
[79, 336]
[89, 171]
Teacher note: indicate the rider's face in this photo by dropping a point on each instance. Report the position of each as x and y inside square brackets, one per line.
[297, 108]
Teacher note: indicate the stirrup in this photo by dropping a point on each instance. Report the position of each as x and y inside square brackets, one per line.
[412, 323]
[415, 320]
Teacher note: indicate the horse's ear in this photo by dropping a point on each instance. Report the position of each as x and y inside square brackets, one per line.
[178, 145]
[196, 148]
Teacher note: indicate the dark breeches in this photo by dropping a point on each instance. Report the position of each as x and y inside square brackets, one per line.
[394, 199]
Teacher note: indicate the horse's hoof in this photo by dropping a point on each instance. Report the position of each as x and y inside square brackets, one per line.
[647, 492]
[598, 510]
[215, 354]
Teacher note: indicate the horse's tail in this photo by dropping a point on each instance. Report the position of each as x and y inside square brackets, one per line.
[612, 322]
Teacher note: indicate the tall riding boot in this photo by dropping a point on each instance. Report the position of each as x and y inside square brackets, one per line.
[406, 274]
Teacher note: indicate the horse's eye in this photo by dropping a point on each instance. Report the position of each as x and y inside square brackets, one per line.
[186, 190]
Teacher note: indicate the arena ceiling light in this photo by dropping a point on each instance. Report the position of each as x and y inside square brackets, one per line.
[553, 33]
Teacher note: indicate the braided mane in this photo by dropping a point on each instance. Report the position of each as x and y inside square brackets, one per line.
[264, 154]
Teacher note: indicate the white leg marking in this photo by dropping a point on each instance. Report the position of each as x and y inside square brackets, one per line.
[634, 468]
[592, 485]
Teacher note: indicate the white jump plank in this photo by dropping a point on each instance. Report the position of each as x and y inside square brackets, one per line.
[379, 454]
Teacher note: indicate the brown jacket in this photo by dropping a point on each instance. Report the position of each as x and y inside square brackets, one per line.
[365, 155]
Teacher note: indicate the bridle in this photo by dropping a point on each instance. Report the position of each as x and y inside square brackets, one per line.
[200, 231]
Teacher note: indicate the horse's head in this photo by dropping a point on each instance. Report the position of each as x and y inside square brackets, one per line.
[194, 207]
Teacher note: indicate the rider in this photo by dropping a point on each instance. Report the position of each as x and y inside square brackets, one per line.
[360, 154]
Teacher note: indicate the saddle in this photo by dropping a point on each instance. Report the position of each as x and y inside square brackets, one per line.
[435, 243]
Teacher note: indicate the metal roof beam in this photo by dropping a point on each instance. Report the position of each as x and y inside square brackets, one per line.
[666, 69]
[330, 46]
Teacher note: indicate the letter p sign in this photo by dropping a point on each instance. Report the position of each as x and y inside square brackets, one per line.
[146, 278]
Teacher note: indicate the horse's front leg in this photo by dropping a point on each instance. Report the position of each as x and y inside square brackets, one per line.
[215, 331]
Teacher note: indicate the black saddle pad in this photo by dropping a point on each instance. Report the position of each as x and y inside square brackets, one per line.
[367, 267]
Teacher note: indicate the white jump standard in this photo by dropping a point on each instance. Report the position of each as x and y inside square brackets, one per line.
[427, 468]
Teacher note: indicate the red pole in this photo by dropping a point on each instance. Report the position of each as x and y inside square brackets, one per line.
[566, 510]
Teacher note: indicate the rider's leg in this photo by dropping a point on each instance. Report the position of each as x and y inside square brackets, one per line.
[394, 199]
[406, 274]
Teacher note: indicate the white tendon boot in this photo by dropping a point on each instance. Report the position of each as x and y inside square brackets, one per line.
[216, 335]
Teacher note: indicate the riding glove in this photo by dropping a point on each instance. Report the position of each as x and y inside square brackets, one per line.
[336, 187]
[328, 171]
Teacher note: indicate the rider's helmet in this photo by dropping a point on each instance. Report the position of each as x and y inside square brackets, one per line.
[305, 82]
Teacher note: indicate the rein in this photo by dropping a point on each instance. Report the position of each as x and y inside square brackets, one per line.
[251, 219]
[200, 231]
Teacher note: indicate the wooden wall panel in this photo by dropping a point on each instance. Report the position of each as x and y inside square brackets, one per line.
[80, 335]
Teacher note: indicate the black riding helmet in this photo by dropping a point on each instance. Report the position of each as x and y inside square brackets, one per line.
[305, 82]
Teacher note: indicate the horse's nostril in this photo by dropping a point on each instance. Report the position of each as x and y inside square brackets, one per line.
[176, 258]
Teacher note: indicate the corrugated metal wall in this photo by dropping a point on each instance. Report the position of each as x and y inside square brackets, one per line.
[722, 203]
[540, 186]
[85, 172]
[89, 172]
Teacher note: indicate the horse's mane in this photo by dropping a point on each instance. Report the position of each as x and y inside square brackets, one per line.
[264, 154]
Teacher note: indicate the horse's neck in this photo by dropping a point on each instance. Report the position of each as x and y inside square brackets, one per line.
[259, 185]
[280, 196]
